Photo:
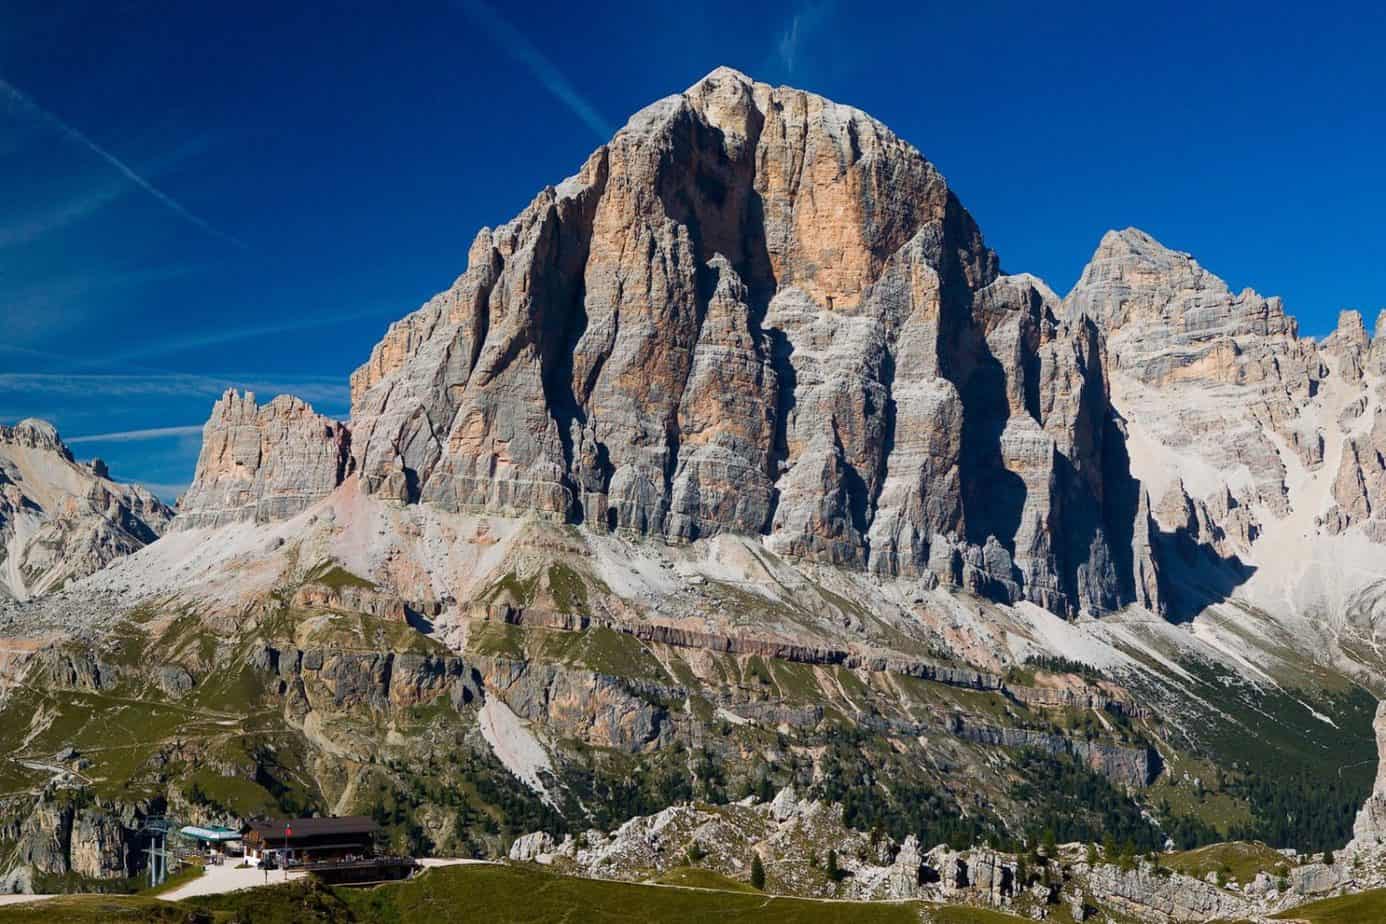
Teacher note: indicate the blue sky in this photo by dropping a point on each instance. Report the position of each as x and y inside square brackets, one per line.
[193, 197]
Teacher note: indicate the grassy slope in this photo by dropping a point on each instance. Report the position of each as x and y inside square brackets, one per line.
[522, 896]
[1362, 908]
[1241, 861]
[508, 895]
[94, 909]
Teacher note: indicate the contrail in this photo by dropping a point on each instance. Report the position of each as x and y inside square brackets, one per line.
[25, 230]
[24, 102]
[241, 333]
[130, 436]
[510, 38]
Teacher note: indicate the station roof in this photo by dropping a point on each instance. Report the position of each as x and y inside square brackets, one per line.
[215, 833]
[272, 828]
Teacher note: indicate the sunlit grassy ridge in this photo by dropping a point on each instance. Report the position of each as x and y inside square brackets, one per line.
[502, 894]
[1362, 908]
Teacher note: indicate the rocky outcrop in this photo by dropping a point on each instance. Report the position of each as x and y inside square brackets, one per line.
[1079, 698]
[67, 668]
[602, 710]
[351, 599]
[1126, 766]
[330, 680]
[1206, 371]
[1359, 485]
[679, 637]
[60, 837]
[61, 520]
[983, 876]
[757, 311]
[262, 464]
[1369, 829]
[1146, 895]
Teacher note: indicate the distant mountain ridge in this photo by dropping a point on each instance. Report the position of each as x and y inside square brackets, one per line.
[61, 520]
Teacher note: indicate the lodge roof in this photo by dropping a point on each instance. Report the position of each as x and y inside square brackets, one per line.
[270, 829]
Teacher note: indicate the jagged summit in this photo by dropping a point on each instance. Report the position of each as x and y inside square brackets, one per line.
[263, 463]
[34, 433]
[60, 519]
[758, 312]
[754, 311]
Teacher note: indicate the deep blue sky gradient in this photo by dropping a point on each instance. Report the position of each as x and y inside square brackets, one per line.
[197, 195]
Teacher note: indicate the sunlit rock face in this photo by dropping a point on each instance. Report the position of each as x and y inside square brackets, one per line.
[263, 463]
[757, 311]
[61, 519]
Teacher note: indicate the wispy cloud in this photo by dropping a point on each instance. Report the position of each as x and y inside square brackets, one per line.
[805, 21]
[31, 227]
[235, 334]
[22, 102]
[317, 389]
[519, 47]
[131, 436]
[43, 308]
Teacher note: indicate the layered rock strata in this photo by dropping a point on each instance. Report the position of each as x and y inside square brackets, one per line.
[757, 311]
[263, 463]
[1231, 363]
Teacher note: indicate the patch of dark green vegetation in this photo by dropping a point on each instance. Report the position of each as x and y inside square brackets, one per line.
[876, 796]
[1060, 665]
[616, 787]
[1322, 770]
[1309, 813]
[488, 807]
[1068, 801]
[331, 574]
[74, 883]
[521, 590]
[569, 589]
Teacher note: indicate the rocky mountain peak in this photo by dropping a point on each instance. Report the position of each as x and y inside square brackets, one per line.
[263, 462]
[753, 311]
[35, 434]
[60, 520]
[1133, 279]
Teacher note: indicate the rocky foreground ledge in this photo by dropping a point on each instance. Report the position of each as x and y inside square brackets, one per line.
[806, 849]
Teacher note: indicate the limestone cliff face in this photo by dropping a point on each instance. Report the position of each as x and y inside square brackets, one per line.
[1228, 368]
[1359, 480]
[61, 519]
[758, 311]
[1252, 441]
[1369, 828]
[89, 841]
[263, 463]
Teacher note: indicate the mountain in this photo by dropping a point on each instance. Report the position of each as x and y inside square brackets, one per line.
[61, 520]
[735, 463]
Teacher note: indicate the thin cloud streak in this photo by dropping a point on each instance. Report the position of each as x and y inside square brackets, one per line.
[802, 24]
[178, 345]
[28, 229]
[514, 42]
[27, 104]
[42, 309]
[319, 390]
[130, 436]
